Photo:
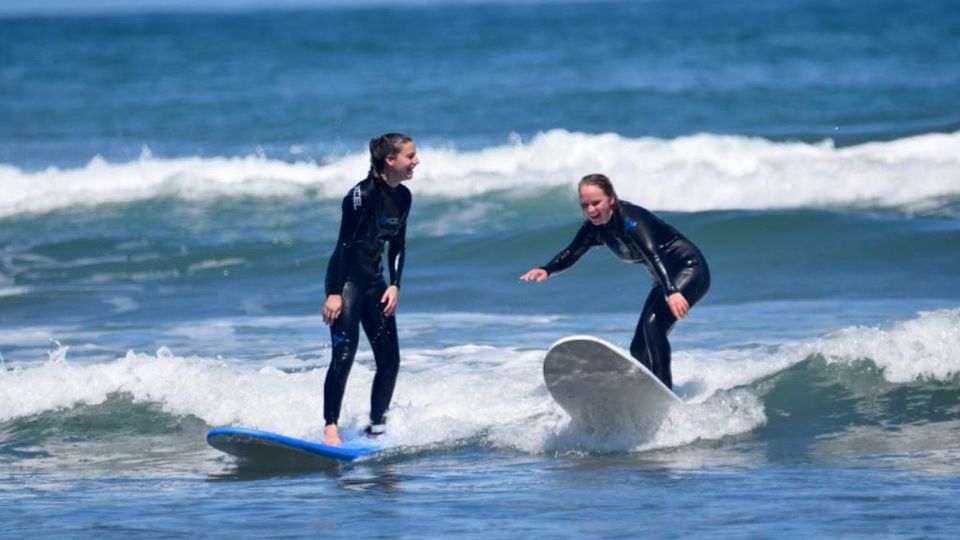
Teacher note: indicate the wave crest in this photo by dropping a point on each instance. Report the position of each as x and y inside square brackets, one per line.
[695, 173]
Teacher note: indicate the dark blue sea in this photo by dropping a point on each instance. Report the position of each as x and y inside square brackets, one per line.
[170, 185]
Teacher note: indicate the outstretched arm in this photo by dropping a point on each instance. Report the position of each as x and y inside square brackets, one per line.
[582, 242]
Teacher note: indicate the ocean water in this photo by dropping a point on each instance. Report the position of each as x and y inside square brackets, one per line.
[169, 198]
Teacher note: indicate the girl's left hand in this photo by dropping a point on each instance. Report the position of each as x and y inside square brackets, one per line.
[389, 299]
[678, 305]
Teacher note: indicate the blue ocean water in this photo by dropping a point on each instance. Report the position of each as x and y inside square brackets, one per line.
[169, 198]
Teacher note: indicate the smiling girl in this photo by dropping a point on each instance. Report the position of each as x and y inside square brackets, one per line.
[374, 214]
[680, 273]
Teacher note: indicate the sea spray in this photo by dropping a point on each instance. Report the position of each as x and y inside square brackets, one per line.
[693, 173]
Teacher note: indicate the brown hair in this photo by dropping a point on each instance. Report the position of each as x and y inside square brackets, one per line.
[602, 182]
[384, 146]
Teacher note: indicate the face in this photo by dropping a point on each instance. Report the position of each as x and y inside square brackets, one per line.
[595, 204]
[400, 166]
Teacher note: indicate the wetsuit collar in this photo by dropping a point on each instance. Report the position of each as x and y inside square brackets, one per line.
[616, 220]
[381, 181]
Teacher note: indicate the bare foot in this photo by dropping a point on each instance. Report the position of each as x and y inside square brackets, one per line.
[331, 437]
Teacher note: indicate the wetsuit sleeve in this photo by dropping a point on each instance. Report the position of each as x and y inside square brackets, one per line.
[582, 242]
[398, 250]
[350, 225]
[641, 233]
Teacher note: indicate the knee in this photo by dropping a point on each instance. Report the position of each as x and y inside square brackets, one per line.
[654, 328]
[340, 341]
[638, 350]
[341, 359]
[389, 366]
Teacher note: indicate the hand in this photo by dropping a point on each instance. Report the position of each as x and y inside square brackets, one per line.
[389, 298]
[331, 308]
[535, 274]
[678, 305]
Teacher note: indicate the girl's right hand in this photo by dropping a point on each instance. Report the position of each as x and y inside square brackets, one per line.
[535, 274]
[678, 305]
[332, 307]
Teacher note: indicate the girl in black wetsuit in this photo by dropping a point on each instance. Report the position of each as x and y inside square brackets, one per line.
[374, 213]
[680, 273]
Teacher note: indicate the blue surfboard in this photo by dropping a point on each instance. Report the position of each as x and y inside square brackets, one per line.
[272, 449]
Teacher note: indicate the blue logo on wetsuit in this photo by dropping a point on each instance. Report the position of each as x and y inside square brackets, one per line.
[386, 220]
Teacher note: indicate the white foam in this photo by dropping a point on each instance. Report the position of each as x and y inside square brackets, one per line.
[13, 291]
[924, 347]
[121, 304]
[209, 389]
[27, 336]
[927, 347]
[101, 182]
[443, 396]
[694, 173]
[471, 392]
[215, 264]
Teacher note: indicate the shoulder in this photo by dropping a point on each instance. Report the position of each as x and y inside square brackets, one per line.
[359, 195]
[634, 214]
[404, 192]
[630, 209]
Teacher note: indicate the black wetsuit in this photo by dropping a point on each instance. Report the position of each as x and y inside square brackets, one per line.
[373, 214]
[635, 235]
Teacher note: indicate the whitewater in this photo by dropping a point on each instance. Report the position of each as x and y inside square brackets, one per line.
[694, 173]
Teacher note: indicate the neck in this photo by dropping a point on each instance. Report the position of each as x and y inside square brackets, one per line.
[613, 218]
[385, 176]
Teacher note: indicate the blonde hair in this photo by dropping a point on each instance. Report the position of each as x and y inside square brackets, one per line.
[602, 182]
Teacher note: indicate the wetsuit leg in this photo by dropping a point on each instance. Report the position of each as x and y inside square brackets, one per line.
[344, 333]
[650, 345]
[381, 331]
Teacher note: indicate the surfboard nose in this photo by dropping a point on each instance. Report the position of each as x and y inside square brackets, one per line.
[604, 389]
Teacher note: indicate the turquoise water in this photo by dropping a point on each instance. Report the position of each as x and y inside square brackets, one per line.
[170, 198]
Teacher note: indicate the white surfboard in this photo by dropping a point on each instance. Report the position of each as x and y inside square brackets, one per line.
[604, 389]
